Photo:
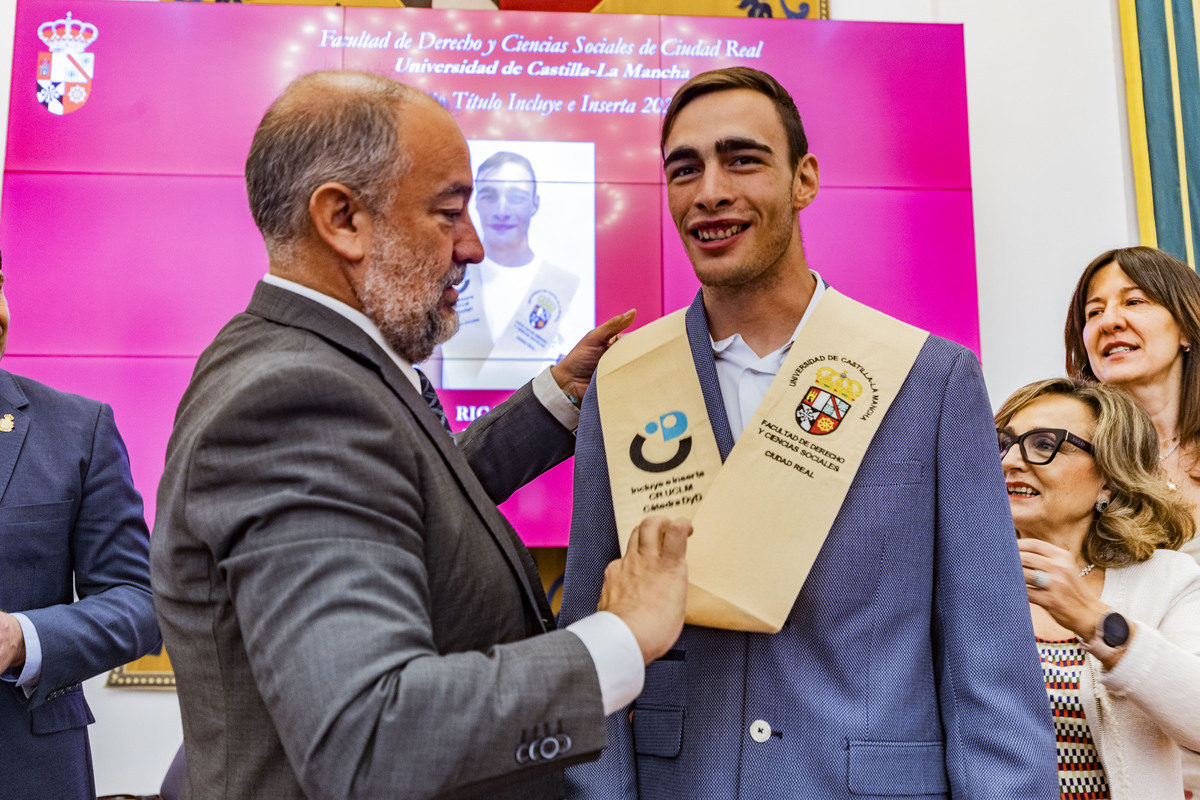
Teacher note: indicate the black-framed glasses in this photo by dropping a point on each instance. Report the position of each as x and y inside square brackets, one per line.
[1040, 445]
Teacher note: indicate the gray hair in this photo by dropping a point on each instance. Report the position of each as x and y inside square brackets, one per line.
[326, 127]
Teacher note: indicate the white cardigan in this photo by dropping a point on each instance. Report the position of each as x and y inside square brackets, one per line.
[1142, 709]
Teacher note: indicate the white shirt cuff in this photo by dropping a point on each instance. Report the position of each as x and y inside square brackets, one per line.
[617, 656]
[545, 388]
[32, 671]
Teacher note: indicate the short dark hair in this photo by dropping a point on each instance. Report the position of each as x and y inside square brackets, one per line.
[497, 160]
[1167, 281]
[721, 80]
[326, 126]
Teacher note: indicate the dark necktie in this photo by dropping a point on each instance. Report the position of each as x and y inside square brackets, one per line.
[430, 396]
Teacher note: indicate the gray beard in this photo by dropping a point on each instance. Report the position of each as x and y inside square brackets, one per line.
[407, 314]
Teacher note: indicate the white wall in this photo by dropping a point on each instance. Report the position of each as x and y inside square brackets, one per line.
[1052, 189]
[136, 734]
[1050, 166]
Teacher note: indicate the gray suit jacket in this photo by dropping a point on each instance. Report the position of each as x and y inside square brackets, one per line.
[347, 612]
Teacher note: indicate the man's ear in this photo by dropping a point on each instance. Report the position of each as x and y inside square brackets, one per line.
[805, 182]
[341, 221]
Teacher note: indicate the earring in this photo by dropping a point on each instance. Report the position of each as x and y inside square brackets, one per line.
[1101, 505]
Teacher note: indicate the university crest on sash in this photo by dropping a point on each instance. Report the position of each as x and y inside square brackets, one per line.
[825, 404]
[64, 71]
[545, 310]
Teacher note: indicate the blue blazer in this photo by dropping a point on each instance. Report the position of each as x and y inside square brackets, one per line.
[70, 521]
[907, 667]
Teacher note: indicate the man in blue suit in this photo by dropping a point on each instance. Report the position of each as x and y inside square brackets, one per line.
[906, 666]
[70, 524]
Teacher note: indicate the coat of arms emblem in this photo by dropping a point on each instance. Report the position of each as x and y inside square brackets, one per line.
[825, 404]
[64, 72]
[544, 311]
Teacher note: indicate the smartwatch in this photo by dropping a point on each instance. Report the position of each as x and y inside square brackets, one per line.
[1113, 629]
[1112, 633]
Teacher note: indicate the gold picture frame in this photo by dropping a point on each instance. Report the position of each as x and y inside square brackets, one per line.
[152, 671]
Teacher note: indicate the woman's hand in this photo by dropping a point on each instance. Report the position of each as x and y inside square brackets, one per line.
[1053, 582]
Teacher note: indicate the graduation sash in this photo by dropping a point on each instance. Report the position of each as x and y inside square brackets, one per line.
[473, 360]
[761, 517]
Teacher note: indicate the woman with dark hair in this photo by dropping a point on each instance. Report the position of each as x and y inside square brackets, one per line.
[1133, 321]
[1115, 611]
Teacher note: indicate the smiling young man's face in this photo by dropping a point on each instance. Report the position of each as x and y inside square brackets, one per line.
[731, 189]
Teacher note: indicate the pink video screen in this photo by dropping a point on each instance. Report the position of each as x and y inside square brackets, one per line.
[128, 242]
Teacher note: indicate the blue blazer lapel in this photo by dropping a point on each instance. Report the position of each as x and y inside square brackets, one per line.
[289, 308]
[12, 401]
[706, 370]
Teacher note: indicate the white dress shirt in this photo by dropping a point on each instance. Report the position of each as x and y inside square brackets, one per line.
[744, 377]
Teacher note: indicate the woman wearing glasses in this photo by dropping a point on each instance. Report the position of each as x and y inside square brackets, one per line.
[1133, 320]
[1115, 611]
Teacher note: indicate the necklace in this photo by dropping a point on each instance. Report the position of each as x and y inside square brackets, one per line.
[1171, 485]
[1083, 573]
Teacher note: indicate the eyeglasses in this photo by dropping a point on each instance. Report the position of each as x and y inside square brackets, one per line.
[1040, 445]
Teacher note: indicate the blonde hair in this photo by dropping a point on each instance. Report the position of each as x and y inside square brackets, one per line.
[1143, 514]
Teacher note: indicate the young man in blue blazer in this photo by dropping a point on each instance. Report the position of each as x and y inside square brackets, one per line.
[906, 666]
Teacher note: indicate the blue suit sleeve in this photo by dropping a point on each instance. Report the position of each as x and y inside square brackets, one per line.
[594, 543]
[996, 716]
[113, 621]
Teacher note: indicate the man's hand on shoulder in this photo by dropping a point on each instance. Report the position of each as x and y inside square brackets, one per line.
[647, 587]
[12, 643]
[574, 373]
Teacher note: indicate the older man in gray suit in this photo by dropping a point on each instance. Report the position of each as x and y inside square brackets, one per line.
[347, 612]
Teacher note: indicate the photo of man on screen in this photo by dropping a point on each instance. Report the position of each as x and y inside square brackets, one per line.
[517, 309]
[506, 199]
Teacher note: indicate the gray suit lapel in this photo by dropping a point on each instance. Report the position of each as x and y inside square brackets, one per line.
[503, 534]
[289, 308]
[12, 401]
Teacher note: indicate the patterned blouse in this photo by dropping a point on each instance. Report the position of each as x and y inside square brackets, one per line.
[1080, 773]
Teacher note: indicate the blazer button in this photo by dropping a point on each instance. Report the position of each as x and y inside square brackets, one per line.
[549, 748]
[760, 730]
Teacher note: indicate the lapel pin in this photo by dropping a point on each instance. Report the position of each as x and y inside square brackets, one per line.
[6, 423]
